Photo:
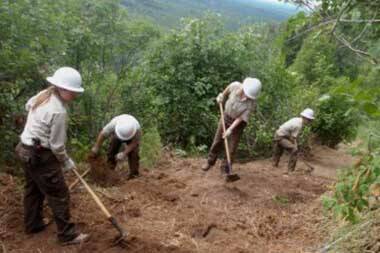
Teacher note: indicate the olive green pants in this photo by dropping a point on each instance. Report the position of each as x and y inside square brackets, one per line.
[280, 145]
[218, 143]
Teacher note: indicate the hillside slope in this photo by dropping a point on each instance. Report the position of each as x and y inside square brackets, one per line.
[175, 207]
[235, 12]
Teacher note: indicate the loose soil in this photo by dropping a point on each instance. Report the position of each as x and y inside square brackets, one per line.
[176, 207]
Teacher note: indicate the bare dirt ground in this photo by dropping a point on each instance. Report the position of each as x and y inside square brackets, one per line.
[176, 207]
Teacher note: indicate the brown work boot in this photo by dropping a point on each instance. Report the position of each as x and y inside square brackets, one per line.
[133, 175]
[81, 238]
[206, 166]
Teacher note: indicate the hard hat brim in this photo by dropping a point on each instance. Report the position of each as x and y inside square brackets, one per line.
[306, 116]
[245, 87]
[54, 82]
[125, 139]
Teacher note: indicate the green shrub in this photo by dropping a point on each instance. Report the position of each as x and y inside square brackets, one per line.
[150, 150]
[352, 190]
[337, 120]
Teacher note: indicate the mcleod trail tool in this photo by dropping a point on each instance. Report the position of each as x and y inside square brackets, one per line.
[122, 232]
[230, 177]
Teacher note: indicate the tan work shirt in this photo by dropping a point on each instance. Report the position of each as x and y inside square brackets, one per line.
[291, 128]
[234, 106]
[48, 123]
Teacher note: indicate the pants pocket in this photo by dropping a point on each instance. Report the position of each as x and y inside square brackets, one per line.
[23, 154]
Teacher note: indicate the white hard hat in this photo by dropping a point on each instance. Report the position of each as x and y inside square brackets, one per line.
[67, 78]
[308, 113]
[252, 87]
[126, 127]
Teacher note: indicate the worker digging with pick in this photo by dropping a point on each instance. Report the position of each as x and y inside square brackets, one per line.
[123, 129]
[44, 158]
[286, 138]
[239, 100]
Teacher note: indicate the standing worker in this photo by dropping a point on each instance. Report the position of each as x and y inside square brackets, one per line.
[241, 100]
[43, 155]
[286, 138]
[121, 129]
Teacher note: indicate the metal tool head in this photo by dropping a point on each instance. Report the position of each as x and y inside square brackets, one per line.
[121, 238]
[232, 178]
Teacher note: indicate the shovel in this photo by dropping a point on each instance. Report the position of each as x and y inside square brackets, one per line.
[122, 232]
[229, 177]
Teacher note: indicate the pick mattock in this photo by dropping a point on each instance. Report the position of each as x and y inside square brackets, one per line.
[230, 177]
[122, 232]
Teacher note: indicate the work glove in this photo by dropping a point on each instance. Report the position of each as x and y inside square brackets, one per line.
[120, 156]
[227, 133]
[220, 98]
[95, 150]
[68, 165]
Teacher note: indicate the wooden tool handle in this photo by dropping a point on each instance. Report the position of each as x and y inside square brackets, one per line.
[93, 195]
[71, 187]
[224, 130]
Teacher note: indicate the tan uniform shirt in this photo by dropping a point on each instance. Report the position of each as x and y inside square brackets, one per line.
[48, 123]
[291, 128]
[235, 107]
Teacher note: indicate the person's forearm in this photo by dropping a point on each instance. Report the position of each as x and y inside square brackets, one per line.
[131, 147]
[100, 140]
[226, 92]
[236, 122]
[135, 142]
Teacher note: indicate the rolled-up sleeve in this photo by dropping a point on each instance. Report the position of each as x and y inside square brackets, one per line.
[58, 136]
[30, 103]
[109, 128]
[232, 86]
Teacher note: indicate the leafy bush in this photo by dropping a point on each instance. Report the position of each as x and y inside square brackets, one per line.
[150, 150]
[336, 120]
[352, 190]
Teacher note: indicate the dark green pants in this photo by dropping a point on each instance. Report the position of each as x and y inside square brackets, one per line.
[133, 156]
[280, 145]
[44, 179]
[218, 144]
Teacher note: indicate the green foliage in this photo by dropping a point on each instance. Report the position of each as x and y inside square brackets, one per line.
[150, 147]
[315, 62]
[340, 113]
[95, 36]
[337, 120]
[185, 71]
[235, 13]
[292, 37]
[352, 190]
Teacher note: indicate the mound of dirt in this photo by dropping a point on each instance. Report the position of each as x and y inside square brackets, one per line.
[176, 207]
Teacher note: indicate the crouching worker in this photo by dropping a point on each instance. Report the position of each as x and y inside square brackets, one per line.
[43, 156]
[241, 100]
[121, 129]
[286, 138]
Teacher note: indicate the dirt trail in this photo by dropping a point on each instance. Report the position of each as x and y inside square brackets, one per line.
[178, 208]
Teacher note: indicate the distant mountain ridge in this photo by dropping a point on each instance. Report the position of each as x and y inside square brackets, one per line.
[235, 12]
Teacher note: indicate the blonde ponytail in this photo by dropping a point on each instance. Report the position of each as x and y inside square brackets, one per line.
[45, 96]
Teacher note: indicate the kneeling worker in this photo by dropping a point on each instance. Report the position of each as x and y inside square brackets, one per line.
[121, 129]
[286, 138]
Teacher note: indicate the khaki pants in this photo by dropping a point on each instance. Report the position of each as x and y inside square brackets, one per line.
[281, 144]
[44, 179]
[218, 144]
[133, 156]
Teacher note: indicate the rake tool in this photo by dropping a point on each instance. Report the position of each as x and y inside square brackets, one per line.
[122, 232]
[229, 177]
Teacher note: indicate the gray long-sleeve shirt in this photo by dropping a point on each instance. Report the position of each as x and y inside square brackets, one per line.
[48, 123]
